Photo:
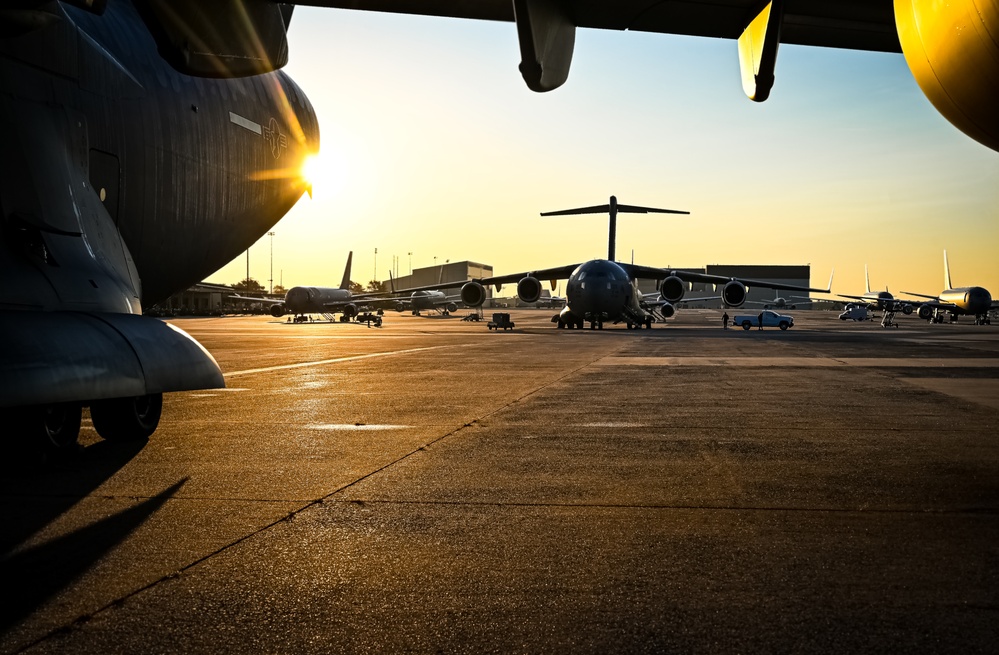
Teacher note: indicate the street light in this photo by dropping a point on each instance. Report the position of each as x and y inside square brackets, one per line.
[271, 235]
[410, 263]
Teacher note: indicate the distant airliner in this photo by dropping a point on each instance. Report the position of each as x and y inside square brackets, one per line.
[962, 301]
[603, 290]
[420, 301]
[325, 301]
[881, 300]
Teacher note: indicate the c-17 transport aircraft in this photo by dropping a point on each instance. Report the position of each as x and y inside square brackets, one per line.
[603, 290]
[966, 301]
[145, 149]
[325, 301]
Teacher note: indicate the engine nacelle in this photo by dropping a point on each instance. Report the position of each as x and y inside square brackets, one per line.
[400, 307]
[671, 289]
[451, 307]
[529, 289]
[906, 309]
[667, 310]
[350, 310]
[734, 293]
[925, 312]
[951, 50]
[277, 311]
[473, 294]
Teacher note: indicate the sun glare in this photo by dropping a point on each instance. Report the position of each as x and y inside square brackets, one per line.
[323, 172]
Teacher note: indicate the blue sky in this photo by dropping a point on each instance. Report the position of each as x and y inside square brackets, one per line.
[436, 147]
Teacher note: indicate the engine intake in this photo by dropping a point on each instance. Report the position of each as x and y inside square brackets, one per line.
[734, 293]
[350, 309]
[529, 289]
[925, 312]
[671, 289]
[277, 311]
[667, 310]
[473, 294]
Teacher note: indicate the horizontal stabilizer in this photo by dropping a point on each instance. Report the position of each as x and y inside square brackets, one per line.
[54, 357]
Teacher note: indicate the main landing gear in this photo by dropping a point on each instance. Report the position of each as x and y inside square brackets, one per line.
[52, 430]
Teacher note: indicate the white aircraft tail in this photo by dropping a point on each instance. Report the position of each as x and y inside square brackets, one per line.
[829, 287]
[867, 279]
[391, 282]
[345, 283]
[947, 283]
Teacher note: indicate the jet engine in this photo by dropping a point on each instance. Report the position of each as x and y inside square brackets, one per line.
[671, 289]
[400, 307]
[277, 311]
[734, 293]
[451, 307]
[906, 309]
[473, 294]
[350, 310]
[529, 289]
[667, 310]
[925, 312]
[951, 50]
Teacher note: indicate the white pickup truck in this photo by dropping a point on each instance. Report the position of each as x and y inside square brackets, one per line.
[770, 319]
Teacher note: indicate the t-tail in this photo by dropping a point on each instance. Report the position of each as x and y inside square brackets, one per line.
[612, 208]
[345, 283]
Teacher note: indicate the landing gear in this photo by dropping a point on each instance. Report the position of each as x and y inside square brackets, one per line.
[45, 431]
[127, 419]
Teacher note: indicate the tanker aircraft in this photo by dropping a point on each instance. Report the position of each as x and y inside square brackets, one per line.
[962, 301]
[880, 300]
[325, 301]
[420, 301]
[603, 290]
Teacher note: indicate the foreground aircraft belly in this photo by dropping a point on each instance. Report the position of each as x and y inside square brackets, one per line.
[125, 180]
[950, 47]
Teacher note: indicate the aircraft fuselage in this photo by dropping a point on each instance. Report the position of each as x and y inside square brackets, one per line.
[601, 290]
[968, 300]
[315, 300]
[129, 177]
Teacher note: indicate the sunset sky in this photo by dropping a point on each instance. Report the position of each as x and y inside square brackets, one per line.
[434, 146]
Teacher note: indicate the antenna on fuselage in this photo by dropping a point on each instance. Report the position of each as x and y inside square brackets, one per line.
[613, 208]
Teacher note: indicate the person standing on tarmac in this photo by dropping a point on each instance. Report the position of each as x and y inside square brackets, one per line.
[725, 320]
[760, 319]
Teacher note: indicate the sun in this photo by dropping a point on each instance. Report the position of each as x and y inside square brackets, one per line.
[323, 171]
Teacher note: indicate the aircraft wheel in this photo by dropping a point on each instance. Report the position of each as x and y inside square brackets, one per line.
[127, 419]
[54, 427]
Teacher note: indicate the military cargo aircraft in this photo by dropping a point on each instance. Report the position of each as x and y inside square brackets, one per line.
[145, 150]
[604, 290]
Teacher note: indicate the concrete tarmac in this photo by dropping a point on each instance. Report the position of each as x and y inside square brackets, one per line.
[431, 486]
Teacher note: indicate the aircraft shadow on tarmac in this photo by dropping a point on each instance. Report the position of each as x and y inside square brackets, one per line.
[35, 498]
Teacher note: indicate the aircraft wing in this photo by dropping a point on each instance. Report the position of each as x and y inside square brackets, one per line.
[852, 24]
[651, 273]
[558, 273]
[921, 295]
[268, 301]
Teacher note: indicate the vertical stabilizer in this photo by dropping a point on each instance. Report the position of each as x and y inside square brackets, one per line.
[391, 282]
[867, 279]
[947, 283]
[345, 283]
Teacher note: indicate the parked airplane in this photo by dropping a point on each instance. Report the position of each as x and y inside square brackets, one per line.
[420, 301]
[603, 290]
[145, 149]
[776, 302]
[945, 44]
[970, 301]
[881, 300]
[325, 301]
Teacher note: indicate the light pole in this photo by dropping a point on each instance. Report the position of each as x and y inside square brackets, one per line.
[410, 263]
[375, 277]
[271, 235]
[246, 284]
